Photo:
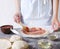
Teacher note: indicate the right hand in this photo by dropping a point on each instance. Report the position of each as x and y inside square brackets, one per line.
[17, 18]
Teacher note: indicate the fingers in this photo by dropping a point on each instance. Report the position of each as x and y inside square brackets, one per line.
[17, 18]
[55, 26]
[59, 24]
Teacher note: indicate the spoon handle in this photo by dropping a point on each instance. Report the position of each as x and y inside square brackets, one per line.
[21, 24]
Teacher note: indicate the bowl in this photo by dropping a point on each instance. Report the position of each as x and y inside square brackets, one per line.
[6, 29]
[53, 36]
[44, 44]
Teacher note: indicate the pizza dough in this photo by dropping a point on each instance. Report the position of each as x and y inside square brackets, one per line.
[35, 31]
[5, 44]
[15, 42]
[20, 45]
[15, 38]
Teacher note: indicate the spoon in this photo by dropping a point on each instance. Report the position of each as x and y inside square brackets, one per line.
[25, 28]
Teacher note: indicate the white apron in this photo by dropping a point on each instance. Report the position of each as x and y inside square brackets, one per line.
[36, 12]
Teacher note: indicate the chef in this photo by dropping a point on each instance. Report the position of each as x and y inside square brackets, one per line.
[37, 12]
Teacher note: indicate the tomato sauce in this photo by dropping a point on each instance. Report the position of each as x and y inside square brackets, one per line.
[35, 31]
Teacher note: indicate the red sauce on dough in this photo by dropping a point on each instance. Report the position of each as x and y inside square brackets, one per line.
[35, 31]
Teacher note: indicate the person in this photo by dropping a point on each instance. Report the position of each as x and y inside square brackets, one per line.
[37, 12]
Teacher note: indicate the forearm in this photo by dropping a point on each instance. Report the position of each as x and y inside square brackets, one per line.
[55, 8]
[17, 5]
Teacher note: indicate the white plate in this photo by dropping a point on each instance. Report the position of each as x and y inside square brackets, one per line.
[19, 32]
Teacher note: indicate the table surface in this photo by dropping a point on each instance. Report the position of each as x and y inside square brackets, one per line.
[33, 41]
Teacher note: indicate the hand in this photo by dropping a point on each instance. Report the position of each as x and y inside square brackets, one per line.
[17, 18]
[55, 24]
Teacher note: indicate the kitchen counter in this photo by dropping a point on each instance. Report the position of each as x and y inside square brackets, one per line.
[33, 41]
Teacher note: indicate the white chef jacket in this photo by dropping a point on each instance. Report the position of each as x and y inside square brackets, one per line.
[36, 12]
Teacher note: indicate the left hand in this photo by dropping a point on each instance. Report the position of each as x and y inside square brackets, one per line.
[55, 24]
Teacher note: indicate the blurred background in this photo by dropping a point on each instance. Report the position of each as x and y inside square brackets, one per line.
[7, 11]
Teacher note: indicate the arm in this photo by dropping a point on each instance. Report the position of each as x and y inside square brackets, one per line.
[55, 8]
[17, 16]
[55, 21]
[17, 4]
